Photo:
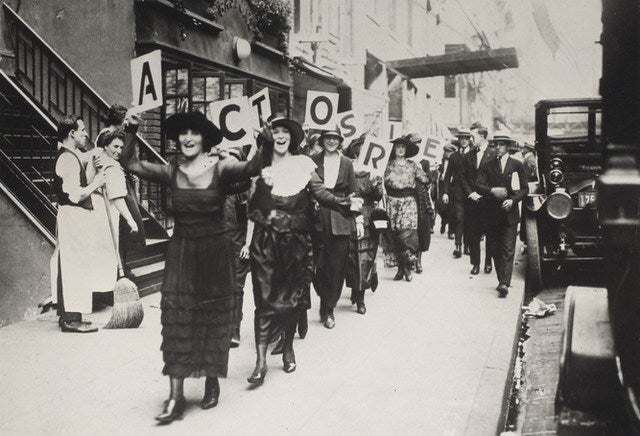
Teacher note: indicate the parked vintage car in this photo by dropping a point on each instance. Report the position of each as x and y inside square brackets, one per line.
[560, 216]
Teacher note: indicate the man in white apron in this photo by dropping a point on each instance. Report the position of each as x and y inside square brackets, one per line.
[76, 271]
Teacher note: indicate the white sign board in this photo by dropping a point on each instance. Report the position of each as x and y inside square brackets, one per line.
[261, 105]
[374, 155]
[236, 120]
[395, 129]
[146, 81]
[321, 110]
[350, 126]
[431, 149]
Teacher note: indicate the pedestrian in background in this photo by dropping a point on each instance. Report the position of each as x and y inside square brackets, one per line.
[361, 270]
[453, 194]
[474, 204]
[281, 257]
[333, 229]
[425, 215]
[503, 182]
[239, 230]
[199, 280]
[400, 180]
[441, 207]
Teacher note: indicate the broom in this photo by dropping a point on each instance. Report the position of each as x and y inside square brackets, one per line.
[127, 308]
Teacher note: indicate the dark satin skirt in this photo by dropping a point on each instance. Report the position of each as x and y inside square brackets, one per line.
[281, 273]
[361, 269]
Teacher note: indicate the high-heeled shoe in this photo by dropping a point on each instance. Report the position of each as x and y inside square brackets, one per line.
[257, 378]
[289, 361]
[211, 394]
[172, 409]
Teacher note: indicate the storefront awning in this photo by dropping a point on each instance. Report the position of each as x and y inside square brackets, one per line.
[457, 63]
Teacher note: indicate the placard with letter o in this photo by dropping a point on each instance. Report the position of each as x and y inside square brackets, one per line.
[321, 110]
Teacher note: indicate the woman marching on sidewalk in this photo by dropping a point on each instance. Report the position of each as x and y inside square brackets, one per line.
[333, 231]
[361, 269]
[400, 180]
[281, 258]
[199, 278]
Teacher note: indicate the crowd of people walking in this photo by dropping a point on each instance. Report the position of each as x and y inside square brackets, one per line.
[295, 211]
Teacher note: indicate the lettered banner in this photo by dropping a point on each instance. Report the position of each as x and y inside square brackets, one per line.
[350, 126]
[374, 155]
[236, 120]
[321, 110]
[261, 105]
[431, 149]
[146, 81]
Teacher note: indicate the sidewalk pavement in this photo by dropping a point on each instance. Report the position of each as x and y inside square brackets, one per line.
[430, 357]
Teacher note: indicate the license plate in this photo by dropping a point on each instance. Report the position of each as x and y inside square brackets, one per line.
[586, 198]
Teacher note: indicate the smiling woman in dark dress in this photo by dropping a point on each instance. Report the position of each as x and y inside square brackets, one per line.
[281, 256]
[199, 277]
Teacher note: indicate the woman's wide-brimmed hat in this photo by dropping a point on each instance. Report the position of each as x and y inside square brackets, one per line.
[412, 147]
[350, 151]
[295, 130]
[194, 120]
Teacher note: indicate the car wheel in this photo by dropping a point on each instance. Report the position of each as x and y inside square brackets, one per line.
[533, 277]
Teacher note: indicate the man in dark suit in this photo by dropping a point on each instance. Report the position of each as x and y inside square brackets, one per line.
[474, 203]
[441, 207]
[453, 194]
[332, 238]
[504, 184]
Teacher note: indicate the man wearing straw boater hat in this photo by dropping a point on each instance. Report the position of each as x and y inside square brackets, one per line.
[503, 183]
[453, 194]
[474, 204]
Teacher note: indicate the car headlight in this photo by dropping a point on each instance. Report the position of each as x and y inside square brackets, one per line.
[555, 176]
[559, 205]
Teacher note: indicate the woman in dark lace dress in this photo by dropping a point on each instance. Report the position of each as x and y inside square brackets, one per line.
[199, 276]
[281, 253]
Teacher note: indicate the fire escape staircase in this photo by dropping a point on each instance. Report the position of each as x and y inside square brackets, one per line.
[41, 88]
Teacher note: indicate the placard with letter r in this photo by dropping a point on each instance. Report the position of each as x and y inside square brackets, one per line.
[374, 155]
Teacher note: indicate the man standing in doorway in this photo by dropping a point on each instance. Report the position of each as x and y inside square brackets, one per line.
[503, 182]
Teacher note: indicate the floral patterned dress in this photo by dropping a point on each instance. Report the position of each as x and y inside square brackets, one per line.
[402, 207]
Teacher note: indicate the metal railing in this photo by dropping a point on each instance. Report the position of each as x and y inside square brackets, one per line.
[60, 91]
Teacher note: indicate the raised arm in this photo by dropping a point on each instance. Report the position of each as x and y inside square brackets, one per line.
[232, 170]
[130, 160]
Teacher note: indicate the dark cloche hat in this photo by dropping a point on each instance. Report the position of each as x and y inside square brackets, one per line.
[295, 130]
[333, 132]
[195, 120]
[412, 148]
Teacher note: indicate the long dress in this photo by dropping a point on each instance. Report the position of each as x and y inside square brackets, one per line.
[199, 278]
[361, 269]
[402, 207]
[281, 250]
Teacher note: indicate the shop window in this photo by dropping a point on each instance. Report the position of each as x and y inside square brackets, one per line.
[233, 89]
[176, 92]
[206, 89]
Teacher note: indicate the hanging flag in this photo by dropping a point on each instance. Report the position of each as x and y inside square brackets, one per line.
[545, 26]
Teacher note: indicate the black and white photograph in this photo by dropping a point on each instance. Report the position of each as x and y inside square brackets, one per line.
[320, 217]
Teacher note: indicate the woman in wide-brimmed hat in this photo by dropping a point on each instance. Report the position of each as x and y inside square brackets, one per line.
[400, 179]
[199, 277]
[281, 257]
[361, 269]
